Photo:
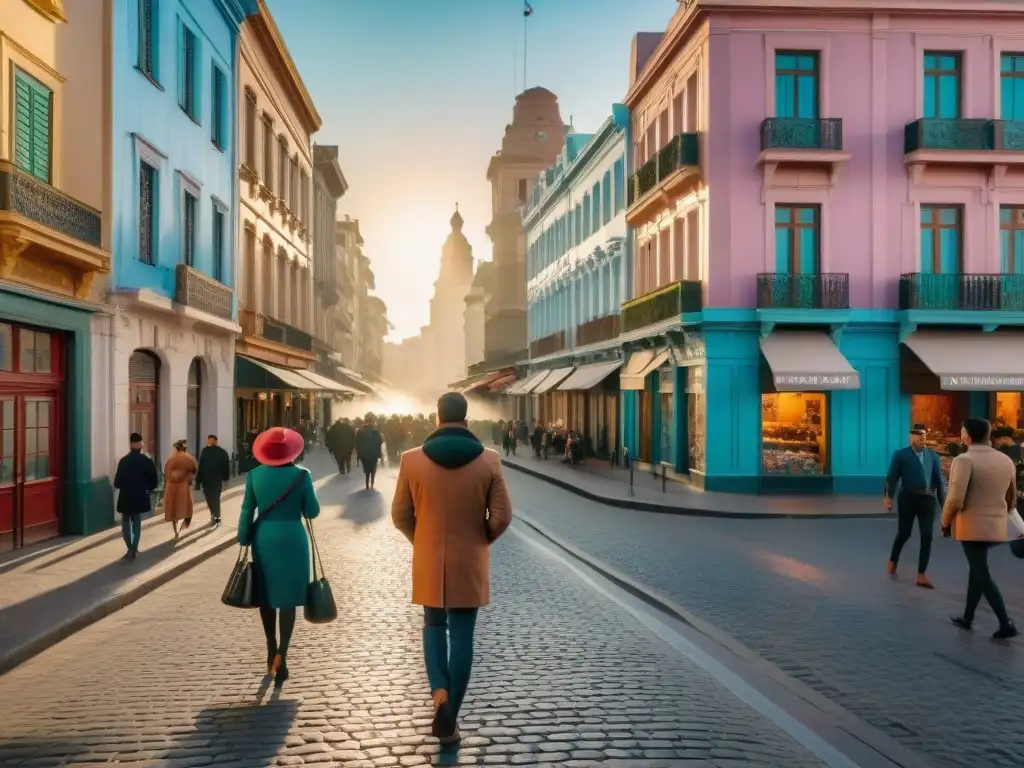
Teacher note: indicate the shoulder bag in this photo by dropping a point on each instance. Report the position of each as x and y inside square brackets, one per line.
[240, 591]
[320, 607]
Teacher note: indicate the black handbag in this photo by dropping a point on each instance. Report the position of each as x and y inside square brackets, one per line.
[320, 607]
[241, 591]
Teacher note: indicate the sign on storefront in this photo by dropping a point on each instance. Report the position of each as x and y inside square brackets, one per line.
[976, 383]
[793, 383]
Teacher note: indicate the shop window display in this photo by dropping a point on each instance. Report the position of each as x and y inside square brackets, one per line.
[942, 416]
[696, 418]
[793, 434]
[1009, 410]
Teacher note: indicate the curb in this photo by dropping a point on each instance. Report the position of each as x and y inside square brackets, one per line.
[667, 509]
[92, 613]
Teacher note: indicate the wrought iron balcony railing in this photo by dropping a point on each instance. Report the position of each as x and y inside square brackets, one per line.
[196, 290]
[786, 291]
[597, 330]
[802, 133]
[681, 151]
[663, 304]
[261, 326]
[548, 345]
[37, 201]
[973, 135]
[971, 292]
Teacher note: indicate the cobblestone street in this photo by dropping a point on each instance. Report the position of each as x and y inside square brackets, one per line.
[812, 597]
[563, 676]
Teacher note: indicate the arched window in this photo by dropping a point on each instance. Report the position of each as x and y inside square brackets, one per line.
[194, 402]
[144, 399]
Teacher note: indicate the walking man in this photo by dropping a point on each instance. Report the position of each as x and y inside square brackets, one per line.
[368, 445]
[214, 471]
[135, 479]
[451, 502]
[917, 471]
[982, 494]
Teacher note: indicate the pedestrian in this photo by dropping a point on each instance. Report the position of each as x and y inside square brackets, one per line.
[451, 502]
[368, 448]
[179, 472]
[982, 496]
[916, 472]
[135, 480]
[282, 494]
[214, 471]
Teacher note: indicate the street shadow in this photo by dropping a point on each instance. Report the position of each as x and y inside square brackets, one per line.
[251, 733]
[363, 507]
[44, 751]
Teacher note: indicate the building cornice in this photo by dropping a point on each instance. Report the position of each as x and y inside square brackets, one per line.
[235, 11]
[325, 162]
[270, 40]
[51, 9]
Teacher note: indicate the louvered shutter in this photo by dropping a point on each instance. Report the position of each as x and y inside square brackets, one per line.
[32, 106]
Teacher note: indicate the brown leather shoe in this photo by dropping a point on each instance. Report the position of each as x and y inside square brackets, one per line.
[891, 568]
[922, 581]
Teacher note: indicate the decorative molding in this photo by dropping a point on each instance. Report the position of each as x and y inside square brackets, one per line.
[26, 54]
[51, 9]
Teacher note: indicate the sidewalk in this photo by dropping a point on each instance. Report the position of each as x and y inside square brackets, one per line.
[51, 592]
[598, 481]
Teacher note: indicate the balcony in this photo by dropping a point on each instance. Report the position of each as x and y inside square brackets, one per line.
[50, 240]
[548, 345]
[196, 290]
[663, 175]
[259, 326]
[962, 292]
[790, 142]
[785, 291]
[994, 145]
[666, 303]
[597, 330]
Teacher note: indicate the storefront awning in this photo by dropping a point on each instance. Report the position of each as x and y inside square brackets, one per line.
[972, 360]
[807, 361]
[327, 385]
[640, 365]
[280, 378]
[532, 382]
[517, 388]
[486, 381]
[502, 383]
[555, 378]
[588, 376]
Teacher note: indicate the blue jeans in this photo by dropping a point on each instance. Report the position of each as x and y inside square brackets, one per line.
[448, 650]
[131, 530]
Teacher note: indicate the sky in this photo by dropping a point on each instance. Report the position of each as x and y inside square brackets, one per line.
[417, 94]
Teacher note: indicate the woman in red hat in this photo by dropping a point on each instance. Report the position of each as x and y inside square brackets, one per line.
[278, 494]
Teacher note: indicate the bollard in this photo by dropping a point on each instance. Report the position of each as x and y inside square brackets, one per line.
[630, 476]
[663, 478]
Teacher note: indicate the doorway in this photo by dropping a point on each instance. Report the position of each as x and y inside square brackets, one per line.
[195, 406]
[144, 400]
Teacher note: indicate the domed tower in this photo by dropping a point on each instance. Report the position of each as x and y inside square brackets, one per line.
[456, 256]
[447, 320]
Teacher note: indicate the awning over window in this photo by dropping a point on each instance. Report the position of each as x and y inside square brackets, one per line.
[486, 381]
[518, 388]
[532, 382]
[256, 374]
[327, 385]
[588, 376]
[502, 383]
[640, 365]
[555, 378]
[972, 360]
[807, 361]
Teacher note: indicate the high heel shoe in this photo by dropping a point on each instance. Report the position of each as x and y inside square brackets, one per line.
[279, 670]
[271, 654]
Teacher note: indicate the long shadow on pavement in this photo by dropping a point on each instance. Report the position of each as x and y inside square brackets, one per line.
[363, 507]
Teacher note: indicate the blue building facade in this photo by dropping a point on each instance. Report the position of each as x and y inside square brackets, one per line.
[175, 217]
[576, 240]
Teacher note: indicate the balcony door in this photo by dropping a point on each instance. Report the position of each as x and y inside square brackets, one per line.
[796, 85]
[941, 256]
[797, 256]
[942, 92]
[1011, 235]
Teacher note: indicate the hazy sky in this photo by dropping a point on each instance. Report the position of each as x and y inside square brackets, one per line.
[417, 93]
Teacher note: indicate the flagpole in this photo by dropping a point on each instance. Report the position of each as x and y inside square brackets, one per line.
[526, 21]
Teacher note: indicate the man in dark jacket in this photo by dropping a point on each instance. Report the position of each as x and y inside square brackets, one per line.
[214, 471]
[135, 480]
[341, 437]
[368, 444]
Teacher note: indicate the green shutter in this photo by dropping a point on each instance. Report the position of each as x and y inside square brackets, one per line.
[33, 102]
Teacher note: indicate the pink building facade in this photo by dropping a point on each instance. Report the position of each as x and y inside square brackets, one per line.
[831, 196]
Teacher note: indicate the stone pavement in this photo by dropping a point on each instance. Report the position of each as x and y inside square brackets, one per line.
[811, 597]
[598, 481]
[563, 676]
[49, 592]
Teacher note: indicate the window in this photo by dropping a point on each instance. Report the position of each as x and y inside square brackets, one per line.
[579, 224]
[595, 214]
[188, 230]
[147, 38]
[522, 191]
[663, 134]
[941, 244]
[268, 151]
[250, 128]
[1011, 233]
[942, 416]
[304, 216]
[218, 109]
[293, 186]
[620, 184]
[267, 277]
[606, 199]
[250, 268]
[679, 249]
[33, 108]
[148, 178]
[941, 85]
[1011, 82]
[796, 84]
[36, 352]
[796, 239]
[187, 97]
[218, 243]
[6, 347]
[677, 112]
[586, 217]
[793, 437]
[282, 166]
[37, 437]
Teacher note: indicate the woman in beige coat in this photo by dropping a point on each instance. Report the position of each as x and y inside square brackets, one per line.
[179, 472]
[982, 494]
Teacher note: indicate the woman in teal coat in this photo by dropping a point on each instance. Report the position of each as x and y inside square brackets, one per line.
[278, 495]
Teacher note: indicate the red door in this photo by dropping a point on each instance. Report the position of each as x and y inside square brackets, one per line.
[31, 391]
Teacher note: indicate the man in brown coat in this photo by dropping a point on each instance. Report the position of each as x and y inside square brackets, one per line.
[982, 494]
[452, 504]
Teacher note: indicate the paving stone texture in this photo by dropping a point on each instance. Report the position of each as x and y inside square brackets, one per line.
[811, 596]
[562, 677]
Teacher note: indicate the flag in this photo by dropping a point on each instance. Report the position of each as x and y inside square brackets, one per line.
[527, 9]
